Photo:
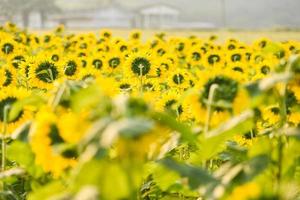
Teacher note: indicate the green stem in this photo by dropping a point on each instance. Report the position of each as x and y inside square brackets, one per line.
[51, 75]
[141, 79]
[3, 138]
[280, 136]
[211, 95]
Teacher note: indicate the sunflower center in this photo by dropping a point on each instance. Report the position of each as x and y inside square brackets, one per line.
[54, 135]
[55, 58]
[236, 57]
[71, 68]
[123, 48]
[140, 66]
[148, 87]
[97, 63]
[114, 62]
[7, 48]
[169, 106]
[212, 59]
[180, 46]
[231, 47]
[8, 101]
[17, 60]
[46, 72]
[8, 78]
[265, 69]
[124, 86]
[238, 69]
[83, 63]
[178, 79]
[226, 91]
[196, 56]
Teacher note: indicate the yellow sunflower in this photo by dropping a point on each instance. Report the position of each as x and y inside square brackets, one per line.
[46, 137]
[8, 96]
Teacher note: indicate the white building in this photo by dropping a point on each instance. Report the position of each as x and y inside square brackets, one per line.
[157, 16]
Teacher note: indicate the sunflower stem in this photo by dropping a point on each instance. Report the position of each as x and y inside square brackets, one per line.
[211, 95]
[283, 126]
[51, 75]
[3, 138]
[58, 96]
[141, 79]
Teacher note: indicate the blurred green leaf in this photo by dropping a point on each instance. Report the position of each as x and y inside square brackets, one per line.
[48, 191]
[169, 121]
[21, 153]
[17, 107]
[252, 168]
[196, 176]
[216, 140]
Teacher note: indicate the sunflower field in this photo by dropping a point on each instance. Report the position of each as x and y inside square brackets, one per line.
[90, 116]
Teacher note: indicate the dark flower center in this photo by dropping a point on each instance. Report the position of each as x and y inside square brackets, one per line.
[226, 91]
[55, 58]
[46, 72]
[196, 56]
[178, 79]
[236, 57]
[265, 69]
[97, 63]
[140, 66]
[17, 60]
[8, 101]
[214, 58]
[71, 68]
[114, 62]
[7, 48]
[8, 76]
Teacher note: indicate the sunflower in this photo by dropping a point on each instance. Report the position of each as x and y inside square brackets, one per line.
[72, 126]
[237, 55]
[270, 117]
[127, 85]
[45, 140]
[16, 59]
[113, 62]
[96, 62]
[179, 78]
[88, 74]
[8, 76]
[8, 47]
[139, 64]
[71, 67]
[170, 103]
[195, 56]
[43, 73]
[8, 96]
[214, 58]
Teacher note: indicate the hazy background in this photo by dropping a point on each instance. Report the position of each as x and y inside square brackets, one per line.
[153, 14]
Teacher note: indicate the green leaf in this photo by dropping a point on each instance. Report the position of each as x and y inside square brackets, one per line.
[48, 191]
[169, 121]
[252, 168]
[21, 153]
[126, 128]
[109, 177]
[164, 177]
[86, 98]
[17, 107]
[216, 140]
[196, 176]
[134, 127]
